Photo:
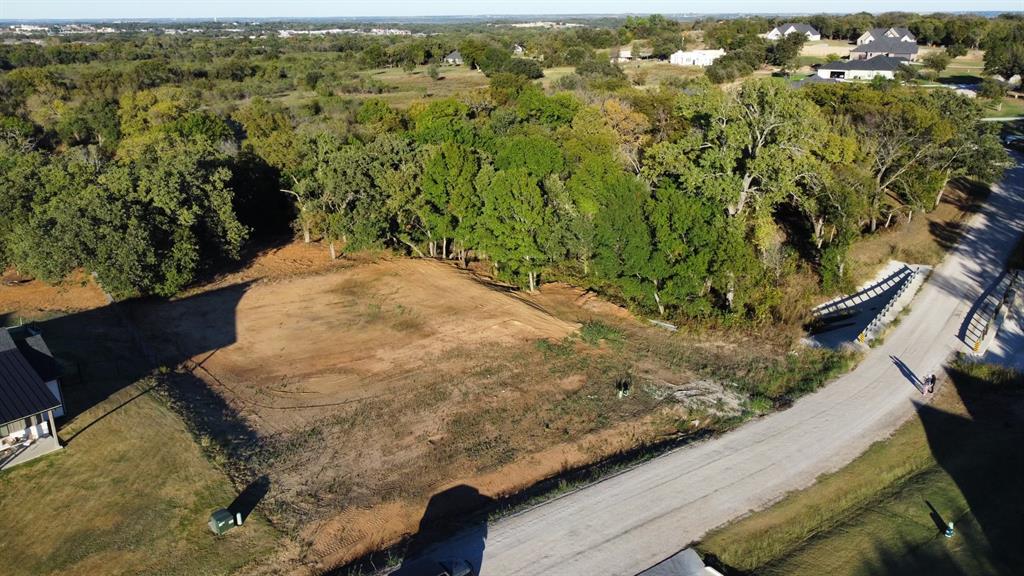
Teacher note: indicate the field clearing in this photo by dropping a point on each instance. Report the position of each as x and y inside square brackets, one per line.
[823, 48]
[374, 386]
[958, 461]
[416, 85]
[655, 72]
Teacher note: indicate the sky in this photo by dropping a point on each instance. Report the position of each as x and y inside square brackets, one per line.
[112, 9]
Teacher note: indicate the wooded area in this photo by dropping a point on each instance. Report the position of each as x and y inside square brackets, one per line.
[147, 160]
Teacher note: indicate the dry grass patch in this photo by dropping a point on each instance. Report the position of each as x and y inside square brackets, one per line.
[923, 240]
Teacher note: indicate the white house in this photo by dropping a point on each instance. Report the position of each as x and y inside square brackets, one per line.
[518, 50]
[454, 58]
[702, 58]
[30, 397]
[622, 55]
[885, 47]
[901, 34]
[884, 66]
[792, 28]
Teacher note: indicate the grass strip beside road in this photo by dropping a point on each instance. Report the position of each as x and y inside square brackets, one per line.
[960, 455]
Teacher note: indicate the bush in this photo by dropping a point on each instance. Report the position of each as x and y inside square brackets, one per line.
[593, 331]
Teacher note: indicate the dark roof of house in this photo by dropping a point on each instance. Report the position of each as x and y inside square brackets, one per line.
[888, 46]
[22, 391]
[877, 33]
[685, 563]
[878, 63]
[802, 28]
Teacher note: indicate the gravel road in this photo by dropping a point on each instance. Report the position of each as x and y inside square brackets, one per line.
[631, 521]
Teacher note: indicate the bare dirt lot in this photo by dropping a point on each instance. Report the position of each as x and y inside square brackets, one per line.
[375, 386]
[359, 390]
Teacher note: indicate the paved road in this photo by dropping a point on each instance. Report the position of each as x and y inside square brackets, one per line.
[633, 520]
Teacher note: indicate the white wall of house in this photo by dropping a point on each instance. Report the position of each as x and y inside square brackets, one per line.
[855, 74]
[869, 55]
[702, 58]
[17, 431]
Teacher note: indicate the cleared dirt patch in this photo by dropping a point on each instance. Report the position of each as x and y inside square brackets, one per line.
[375, 386]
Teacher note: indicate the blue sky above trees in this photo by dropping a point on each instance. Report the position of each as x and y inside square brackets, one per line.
[50, 9]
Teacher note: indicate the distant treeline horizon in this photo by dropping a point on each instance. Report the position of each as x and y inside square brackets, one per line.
[479, 18]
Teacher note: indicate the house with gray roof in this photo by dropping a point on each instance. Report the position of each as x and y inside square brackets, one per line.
[885, 47]
[784, 30]
[30, 396]
[872, 34]
[454, 58]
[841, 70]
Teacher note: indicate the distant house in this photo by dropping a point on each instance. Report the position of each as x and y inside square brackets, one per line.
[30, 397]
[622, 55]
[901, 34]
[702, 58]
[885, 47]
[884, 66]
[518, 50]
[784, 30]
[454, 58]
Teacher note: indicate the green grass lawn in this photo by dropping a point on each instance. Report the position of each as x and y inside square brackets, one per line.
[961, 455]
[1010, 107]
[131, 492]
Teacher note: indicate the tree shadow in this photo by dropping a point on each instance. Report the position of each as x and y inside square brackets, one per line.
[981, 452]
[940, 523]
[247, 500]
[446, 538]
[104, 350]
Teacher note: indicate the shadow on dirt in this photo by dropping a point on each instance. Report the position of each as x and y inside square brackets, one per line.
[452, 534]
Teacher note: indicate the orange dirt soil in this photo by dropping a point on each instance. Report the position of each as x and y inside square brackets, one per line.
[374, 384]
[377, 385]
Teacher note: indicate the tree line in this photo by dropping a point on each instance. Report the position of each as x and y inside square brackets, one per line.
[698, 202]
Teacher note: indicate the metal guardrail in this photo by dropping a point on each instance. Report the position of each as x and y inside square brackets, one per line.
[830, 308]
[988, 316]
[869, 332]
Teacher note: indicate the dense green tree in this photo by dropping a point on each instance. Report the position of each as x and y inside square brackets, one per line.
[512, 223]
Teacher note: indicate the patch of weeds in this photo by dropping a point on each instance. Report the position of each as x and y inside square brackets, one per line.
[759, 405]
[555, 349]
[594, 331]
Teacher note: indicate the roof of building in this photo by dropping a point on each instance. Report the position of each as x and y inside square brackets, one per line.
[877, 33]
[685, 563]
[802, 28]
[888, 45]
[22, 391]
[878, 63]
[455, 54]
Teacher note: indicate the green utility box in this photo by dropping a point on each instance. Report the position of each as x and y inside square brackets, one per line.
[221, 521]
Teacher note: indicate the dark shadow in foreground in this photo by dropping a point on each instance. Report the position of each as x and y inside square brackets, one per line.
[982, 453]
[439, 549]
